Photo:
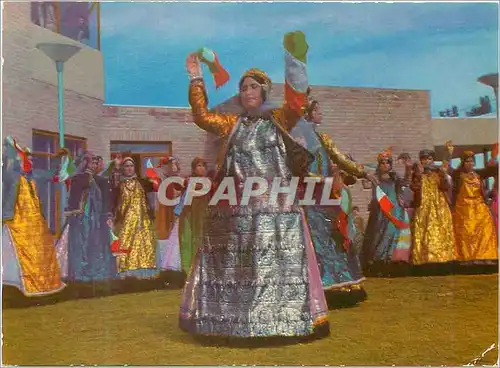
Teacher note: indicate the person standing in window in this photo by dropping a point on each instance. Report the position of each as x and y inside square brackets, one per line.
[83, 30]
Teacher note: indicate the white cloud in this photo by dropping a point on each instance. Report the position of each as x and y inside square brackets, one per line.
[240, 20]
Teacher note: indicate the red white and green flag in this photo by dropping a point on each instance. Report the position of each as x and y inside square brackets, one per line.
[296, 82]
[210, 59]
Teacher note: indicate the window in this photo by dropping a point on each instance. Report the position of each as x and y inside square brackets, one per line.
[141, 152]
[79, 21]
[44, 146]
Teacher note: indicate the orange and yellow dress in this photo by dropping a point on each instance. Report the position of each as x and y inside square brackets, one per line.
[29, 258]
[432, 228]
[476, 236]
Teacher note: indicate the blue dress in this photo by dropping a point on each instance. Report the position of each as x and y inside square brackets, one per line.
[89, 256]
[340, 269]
[381, 236]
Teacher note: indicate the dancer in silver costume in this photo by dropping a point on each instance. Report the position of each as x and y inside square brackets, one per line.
[255, 274]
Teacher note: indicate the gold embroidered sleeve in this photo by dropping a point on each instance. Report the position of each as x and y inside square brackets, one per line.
[218, 124]
[287, 117]
[340, 159]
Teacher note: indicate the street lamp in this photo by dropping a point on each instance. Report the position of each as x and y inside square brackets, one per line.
[60, 53]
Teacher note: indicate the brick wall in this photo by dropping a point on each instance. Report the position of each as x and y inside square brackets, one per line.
[124, 123]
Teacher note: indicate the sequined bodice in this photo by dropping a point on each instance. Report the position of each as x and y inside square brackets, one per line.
[257, 149]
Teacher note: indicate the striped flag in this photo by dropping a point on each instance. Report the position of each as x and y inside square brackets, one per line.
[296, 83]
[115, 245]
[152, 174]
[402, 250]
[210, 59]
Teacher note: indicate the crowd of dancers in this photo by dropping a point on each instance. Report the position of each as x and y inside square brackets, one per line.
[256, 270]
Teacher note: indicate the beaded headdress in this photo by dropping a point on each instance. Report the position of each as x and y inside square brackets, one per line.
[385, 155]
[466, 155]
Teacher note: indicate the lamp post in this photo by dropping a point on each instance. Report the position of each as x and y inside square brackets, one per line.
[60, 53]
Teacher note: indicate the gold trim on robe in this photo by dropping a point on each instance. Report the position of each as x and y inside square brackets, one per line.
[339, 158]
[33, 242]
[476, 237]
[433, 236]
[135, 232]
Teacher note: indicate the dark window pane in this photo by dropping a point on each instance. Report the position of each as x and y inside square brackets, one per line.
[43, 143]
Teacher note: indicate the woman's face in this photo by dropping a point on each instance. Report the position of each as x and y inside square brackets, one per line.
[92, 165]
[175, 168]
[429, 160]
[251, 94]
[469, 164]
[128, 168]
[384, 166]
[317, 115]
[100, 164]
[200, 170]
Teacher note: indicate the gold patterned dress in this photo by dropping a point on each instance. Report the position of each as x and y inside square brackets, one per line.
[433, 237]
[29, 259]
[474, 226]
[135, 229]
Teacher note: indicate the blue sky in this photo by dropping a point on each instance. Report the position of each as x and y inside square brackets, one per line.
[441, 47]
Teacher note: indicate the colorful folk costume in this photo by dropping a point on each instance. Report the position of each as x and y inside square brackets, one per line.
[432, 227]
[86, 238]
[329, 224]
[134, 227]
[29, 260]
[387, 238]
[191, 222]
[255, 274]
[167, 230]
[494, 202]
[494, 191]
[475, 232]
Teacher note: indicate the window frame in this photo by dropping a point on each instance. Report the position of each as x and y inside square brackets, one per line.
[55, 136]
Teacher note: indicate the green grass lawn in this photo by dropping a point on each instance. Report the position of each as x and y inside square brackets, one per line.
[406, 321]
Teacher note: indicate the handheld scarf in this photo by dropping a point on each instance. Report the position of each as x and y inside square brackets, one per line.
[67, 170]
[116, 246]
[343, 217]
[402, 250]
[153, 175]
[210, 59]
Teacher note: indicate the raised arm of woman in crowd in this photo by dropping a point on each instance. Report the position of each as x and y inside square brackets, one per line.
[215, 123]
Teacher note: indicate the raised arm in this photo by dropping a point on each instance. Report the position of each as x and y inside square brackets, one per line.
[340, 159]
[218, 124]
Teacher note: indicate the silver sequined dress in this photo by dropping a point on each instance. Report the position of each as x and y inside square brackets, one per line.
[255, 274]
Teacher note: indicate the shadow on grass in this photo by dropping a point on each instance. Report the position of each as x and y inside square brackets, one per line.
[320, 332]
[396, 270]
[13, 298]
